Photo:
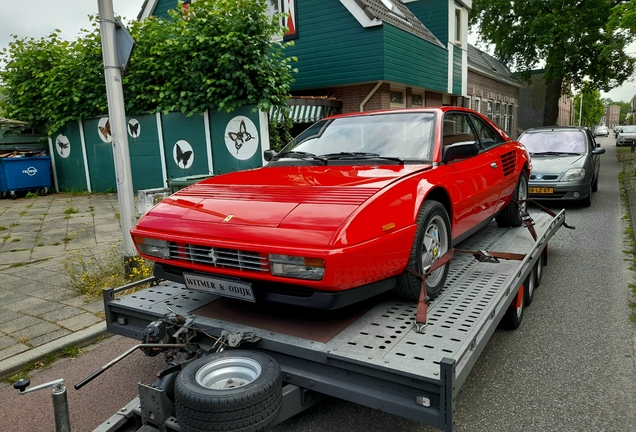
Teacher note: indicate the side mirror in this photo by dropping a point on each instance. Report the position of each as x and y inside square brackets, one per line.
[598, 151]
[268, 155]
[461, 150]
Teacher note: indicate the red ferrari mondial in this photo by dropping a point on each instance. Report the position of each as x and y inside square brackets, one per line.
[340, 213]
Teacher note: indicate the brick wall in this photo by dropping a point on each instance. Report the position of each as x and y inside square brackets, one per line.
[480, 86]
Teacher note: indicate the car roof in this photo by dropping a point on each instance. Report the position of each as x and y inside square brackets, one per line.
[556, 129]
[433, 109]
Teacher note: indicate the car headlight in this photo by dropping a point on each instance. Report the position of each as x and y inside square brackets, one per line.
[297, 267]
[153, 247]
[574, 174]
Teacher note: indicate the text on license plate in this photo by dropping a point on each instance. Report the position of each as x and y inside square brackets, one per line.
[541, 190]
[222, 287]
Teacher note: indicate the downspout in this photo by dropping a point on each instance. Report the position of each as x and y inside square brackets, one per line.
[370, 95]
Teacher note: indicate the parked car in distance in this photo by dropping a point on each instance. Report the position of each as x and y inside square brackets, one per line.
[565, 163]
[601, 131]
[626, 136]
[341, 212]
[616, 130]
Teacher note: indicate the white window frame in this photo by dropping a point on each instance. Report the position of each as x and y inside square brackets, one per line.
[395, 104]
[477, 104]
[489, 110]
[467, 102]
[421, 96]
[458, 26]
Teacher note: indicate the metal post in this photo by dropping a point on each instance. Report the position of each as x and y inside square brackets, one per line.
[581, 108]
[117, 116]
[60, 409]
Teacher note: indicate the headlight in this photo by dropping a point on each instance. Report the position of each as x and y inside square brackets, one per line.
[153, 247]
[297, 267]
[574, 174]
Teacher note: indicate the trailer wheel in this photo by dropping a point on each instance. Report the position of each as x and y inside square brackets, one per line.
[235, 390]
[514, 314]
[510, 216]
[432, 240]
[541, 262]
[530, 284]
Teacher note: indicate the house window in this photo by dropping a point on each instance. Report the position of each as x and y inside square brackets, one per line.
[478, 104]
[391, 7]
[417, 100]
[458, 25]
[489, 110]
[397, 99]
[510, 118]
[289, 8]
[467, 102]
[498, 113]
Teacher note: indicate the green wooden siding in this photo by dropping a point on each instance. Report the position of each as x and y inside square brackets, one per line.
[145, 159]
[414, 61]
[99, 155]
[333, 48]
[434, 15]
[69, 166]
[457, 70]
[162, 8]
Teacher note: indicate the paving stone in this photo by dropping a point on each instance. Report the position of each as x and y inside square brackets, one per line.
[43, 308]
[7, 315]
[79, 322]
[13, 351]
[27, 304]
[8, 298]
[21, 323]
[49, 337]
[34, 331]
[60, 314]
[6, 342]
[96, 306]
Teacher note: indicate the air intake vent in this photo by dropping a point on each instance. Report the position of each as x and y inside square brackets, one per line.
[218, 257]
[508, 163]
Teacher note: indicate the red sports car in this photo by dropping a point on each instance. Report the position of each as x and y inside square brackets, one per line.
[340, 213]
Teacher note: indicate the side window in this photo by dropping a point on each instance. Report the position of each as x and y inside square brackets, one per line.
[458, 129]
[487, 135]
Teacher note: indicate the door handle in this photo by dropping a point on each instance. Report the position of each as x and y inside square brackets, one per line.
[493, 164]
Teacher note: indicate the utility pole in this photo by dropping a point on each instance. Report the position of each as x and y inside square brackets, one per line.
[119, 134]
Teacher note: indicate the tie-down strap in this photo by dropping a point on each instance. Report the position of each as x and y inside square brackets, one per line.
[481, 256]
[529, 222]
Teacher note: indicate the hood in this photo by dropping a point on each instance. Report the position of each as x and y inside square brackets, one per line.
[301, 197]
[556, 164]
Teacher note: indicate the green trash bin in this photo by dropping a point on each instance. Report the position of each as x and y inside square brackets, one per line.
[176, 184]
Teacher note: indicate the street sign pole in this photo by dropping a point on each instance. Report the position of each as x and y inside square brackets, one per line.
[119, 134]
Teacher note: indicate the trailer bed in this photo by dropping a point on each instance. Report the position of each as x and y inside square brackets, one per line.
[369, 353]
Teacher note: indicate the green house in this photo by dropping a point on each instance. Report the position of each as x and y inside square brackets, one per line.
[360, 55]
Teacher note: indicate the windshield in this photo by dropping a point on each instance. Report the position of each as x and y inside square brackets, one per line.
[404, 136]
[569, 141]
[628, 129]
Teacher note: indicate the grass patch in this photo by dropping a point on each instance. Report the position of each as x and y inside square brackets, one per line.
[56, 244]
[21, 264]
[71, 351]
[67, 239]
[31, 195]
[71, 210]
[15, 224]
[626, 160]
[15, 240]
[91, 271]
[6, 238]
[3, 228]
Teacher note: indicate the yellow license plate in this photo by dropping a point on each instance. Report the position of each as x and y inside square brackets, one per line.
[540, 190]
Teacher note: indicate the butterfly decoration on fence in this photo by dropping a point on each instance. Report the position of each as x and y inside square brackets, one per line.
[105, 130]
[183, 156]
[134, 129]
[62, 145]
[241, 137]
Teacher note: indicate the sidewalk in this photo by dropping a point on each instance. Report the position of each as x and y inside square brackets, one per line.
[40, 313]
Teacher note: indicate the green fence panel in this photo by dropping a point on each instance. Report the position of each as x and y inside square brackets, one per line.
[145, 154]
[69, 158]
[99, 154]
[185, 147]
[236, 140]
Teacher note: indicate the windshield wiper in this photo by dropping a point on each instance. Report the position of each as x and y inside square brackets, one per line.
[360, 155]
[300, 155]
[552, 153]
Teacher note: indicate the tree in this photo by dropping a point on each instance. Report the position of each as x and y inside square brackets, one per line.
[221, 57]
[593, 108]
[571, 37]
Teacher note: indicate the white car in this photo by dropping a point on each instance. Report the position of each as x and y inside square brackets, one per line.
[626, 136]
[601, 131]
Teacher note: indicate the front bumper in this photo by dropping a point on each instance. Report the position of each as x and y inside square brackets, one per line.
[559, 191]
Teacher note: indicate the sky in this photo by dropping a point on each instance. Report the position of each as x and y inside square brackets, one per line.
[70, 16]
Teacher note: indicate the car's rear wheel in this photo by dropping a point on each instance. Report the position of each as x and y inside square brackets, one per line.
[432, 240]
[511, 215]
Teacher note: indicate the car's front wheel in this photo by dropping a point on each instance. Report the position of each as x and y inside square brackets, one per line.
[512, 214]
[432, 241]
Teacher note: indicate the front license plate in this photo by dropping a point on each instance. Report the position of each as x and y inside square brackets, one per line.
[222, 287]
[540, 190]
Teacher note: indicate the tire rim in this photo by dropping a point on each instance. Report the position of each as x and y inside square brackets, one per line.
[228, 374]
[540, 268]
[532, 283]
[435, 244]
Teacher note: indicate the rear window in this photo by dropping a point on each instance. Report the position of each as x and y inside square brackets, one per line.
[554, 141]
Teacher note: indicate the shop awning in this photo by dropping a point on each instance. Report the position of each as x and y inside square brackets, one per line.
[306, 110]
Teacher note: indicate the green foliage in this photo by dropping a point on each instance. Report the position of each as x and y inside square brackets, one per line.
[220, 58]
[571, 37]
[280, 133]
[593, 108]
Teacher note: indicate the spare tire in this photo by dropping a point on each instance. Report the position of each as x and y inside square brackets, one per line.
[234, 390]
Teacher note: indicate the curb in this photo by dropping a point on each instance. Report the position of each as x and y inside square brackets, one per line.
[84, 337]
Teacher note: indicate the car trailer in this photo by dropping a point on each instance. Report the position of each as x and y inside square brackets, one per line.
[233, 365]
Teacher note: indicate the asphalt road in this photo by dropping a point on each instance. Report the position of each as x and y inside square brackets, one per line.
[571, 366]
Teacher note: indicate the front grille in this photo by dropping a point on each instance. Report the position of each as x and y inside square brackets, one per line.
[544, 177]
[508, 162]
[220, 257]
